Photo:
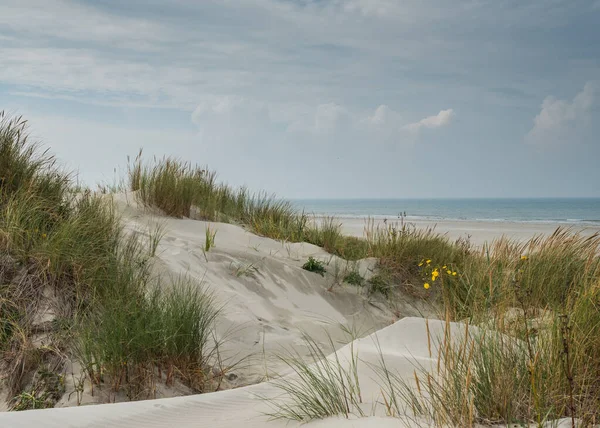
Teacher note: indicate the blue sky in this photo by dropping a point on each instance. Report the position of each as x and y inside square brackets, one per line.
[317, 98]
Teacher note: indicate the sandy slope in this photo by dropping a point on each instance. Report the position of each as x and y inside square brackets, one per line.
[267, 307]
[264, 312]
[268, 300]
[403, 345]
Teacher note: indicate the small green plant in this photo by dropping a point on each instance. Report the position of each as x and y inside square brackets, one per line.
[320, 387]
[156, 234]
[46, 390]
[354, 278]
[316, 266]
[209, 241]
[240, 270]
[29, 401]
[379, 283]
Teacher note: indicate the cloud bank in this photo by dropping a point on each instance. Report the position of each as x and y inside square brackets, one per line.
[560, 121]
[443, 118]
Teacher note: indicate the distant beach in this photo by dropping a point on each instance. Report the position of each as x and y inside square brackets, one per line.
[480, 220]
[478, 232]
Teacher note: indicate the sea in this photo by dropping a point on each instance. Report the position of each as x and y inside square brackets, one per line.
[539, 210]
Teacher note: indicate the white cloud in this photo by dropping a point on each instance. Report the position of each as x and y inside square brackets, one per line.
[329, 116]
[238, 122]
[443, 118]
[559, 120]
[384, 123]
[282, 50]
[230, 111]
[381, 116]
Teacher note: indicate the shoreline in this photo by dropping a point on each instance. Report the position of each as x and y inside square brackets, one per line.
[432, 219]
[479, 232]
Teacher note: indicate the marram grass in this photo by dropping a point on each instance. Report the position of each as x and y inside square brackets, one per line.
[543, 295]
[70, 243]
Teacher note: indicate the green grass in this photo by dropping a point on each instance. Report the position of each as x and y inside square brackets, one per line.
[379, 284]
[327, 233]
[559, 276]
[538, 365]
[54, 236]
[240, 270]
[319, 387]
[314, 265]
[169, 330]
[47, 388]
[182, 190]
[209, 239]
[155, 235]
[354, 278]
[546, 358]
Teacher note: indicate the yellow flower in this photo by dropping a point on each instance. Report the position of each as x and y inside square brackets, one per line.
[420, 264]
[433, 278]
[444, 267]
[453, 273]
[44, 236]
[426, 286]
[428, 261]
[523, 257]
[449, 272]
[435, 273]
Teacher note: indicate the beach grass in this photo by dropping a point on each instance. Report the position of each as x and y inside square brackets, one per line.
[553, 281]
[538, 305]
[135, 340]
[540, 299]
[67, 247]
[320, 386]
[182, 190]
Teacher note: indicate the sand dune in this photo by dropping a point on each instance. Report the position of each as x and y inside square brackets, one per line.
[403, 345]
[268, 302]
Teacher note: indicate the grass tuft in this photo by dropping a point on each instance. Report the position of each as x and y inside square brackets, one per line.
[59, 240]
[314, 265]
[209, 240]
[319, 387]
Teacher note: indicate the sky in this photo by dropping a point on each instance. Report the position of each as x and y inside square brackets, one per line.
[317, 98]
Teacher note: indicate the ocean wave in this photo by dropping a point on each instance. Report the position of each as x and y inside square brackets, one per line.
[395, 218]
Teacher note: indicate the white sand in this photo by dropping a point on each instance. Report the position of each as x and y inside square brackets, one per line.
[403, 345]
[264, 312]
[479, 231]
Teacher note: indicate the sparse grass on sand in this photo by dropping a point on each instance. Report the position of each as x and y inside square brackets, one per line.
[321, 386]
[539, 302]
[544, 293]
[538, 306]
[68, 249]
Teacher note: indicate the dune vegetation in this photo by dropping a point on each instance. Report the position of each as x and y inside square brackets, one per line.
[74, 280]
[545, 293]
[540, 299]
